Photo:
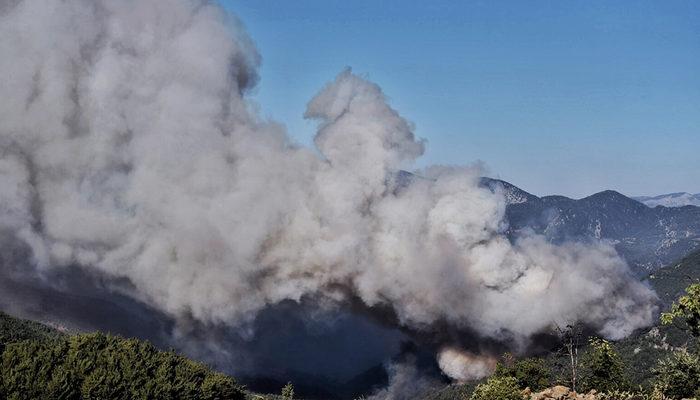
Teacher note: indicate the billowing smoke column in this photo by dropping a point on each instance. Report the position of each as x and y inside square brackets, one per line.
[127, 147]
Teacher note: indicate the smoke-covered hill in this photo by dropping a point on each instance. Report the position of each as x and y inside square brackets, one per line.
[648, 238]
[642, 351]
[141, 183]
[639, 353]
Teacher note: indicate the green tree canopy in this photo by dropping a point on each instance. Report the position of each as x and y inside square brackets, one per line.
[502, 388]
[678, 376]
[528, 372]
[602, 369]
[288, 391]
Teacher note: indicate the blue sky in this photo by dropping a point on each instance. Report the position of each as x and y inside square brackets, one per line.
[557, 97]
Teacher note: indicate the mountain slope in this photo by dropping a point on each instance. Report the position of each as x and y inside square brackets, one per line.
[670, 282]
[648, 238]
[641, 352]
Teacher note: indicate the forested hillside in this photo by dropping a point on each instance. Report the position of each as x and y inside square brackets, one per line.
[41, 363]
[670, 281]
[15, 330]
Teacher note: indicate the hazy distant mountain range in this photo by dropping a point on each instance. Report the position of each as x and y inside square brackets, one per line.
[671, 200]
[648, 238]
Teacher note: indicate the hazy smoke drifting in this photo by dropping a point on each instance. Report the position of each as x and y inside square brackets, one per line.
[405, 382]
[127, 146]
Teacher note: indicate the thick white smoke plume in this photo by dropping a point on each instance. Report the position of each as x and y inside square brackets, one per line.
[127, 146]
[463, 366]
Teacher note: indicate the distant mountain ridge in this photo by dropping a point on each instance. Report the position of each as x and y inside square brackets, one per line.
[648, 238]
[679, 199]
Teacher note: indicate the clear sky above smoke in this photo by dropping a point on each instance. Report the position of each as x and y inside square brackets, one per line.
[556, 97]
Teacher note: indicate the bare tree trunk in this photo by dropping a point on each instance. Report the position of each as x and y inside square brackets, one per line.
[571, 335]
[574, 366]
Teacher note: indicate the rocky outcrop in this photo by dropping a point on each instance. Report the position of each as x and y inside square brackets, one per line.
[564, 393]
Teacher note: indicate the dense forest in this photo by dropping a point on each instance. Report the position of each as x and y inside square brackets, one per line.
[41, 363]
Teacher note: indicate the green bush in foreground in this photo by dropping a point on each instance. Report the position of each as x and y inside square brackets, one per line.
[98, 366]
[503, 388]
[288, 391]
[528, 372]
[687, 310]
[678, 376]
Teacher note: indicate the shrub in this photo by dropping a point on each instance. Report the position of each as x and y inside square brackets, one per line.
[217, 386]
[502, 388]
[678, 376]
[528, 372]
[631, 395]
[288, 391]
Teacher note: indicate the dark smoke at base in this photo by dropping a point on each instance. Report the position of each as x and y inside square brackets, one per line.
[140, 183]
[77, 302]
[342, 355]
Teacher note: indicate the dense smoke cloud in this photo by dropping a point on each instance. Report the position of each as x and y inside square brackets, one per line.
[127, 147]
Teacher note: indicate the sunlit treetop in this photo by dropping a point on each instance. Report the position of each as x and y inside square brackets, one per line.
[687, 310]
